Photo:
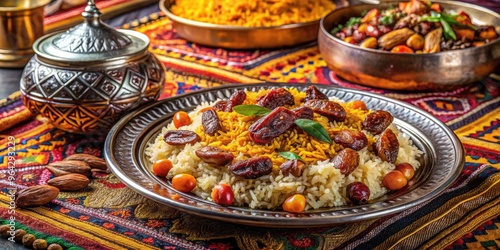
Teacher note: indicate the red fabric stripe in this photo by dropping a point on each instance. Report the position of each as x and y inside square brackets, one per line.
[43, 227]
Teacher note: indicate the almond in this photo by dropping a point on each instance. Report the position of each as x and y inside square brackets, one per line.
[69, 182]
[60, 168]
[36, 196]
[93, 161]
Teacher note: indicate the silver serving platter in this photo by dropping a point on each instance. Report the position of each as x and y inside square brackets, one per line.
[442, 161]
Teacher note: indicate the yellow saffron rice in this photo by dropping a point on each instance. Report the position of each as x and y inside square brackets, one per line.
[257, 13]
[321, 183]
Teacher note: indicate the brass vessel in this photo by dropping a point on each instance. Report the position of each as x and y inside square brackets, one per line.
[21, 23]
[402, 71]
[86, 78]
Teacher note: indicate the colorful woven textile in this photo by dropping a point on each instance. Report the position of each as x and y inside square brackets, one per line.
[108, 215]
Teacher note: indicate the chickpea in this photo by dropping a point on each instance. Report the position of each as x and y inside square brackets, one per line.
[415, 41]
[406, 169]
[295, 203]
[222, 194]
[394, 180]
[181, 118]
[162, 167]
[184, 182]
[40, 244]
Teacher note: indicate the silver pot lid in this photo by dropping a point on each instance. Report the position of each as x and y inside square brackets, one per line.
[91, 41]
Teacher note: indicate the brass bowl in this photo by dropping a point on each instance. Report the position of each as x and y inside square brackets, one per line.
[239, 37]
[21, 23]
[381, 69]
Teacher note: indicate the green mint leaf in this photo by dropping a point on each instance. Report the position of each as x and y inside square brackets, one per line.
[290, 155]
[314, 129]
[250, 110]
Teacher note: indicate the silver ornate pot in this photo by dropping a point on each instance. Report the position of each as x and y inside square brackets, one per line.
[85, 79]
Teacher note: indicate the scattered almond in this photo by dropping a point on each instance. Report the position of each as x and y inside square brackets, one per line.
[93, 161]
[36, 196]
[60, 168]
[69, 182]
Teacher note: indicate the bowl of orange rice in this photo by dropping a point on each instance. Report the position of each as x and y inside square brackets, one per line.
[243, 24]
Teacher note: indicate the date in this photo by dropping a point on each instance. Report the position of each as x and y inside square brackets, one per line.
[252, 168]
[181, 137]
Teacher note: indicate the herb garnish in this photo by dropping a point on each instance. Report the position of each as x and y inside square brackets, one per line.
[314, 129]
[250, 110]
[290, 155]
[446, 21]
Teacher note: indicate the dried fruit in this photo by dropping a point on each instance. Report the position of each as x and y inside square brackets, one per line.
[237, 98]
[181, 137]
[92, 161]
[252, 168]
[331, 110]
[28, 240]
[65, 167]
[40, 244]
[358, 193]
[387, 146]
[294, 167]
[36, 196]
[395, 37]
[346, 160]
[351, 139]
[314, 93]
[214, 155]
[69, 182]
[271, 125]
[432, 41]
[276, 98]
[303, 112]
[211, 122]
[377, 121]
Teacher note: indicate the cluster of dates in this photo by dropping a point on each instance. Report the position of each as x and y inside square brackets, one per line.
[279, 120]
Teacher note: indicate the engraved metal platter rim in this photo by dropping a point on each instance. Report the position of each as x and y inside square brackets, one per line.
[124, 144]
